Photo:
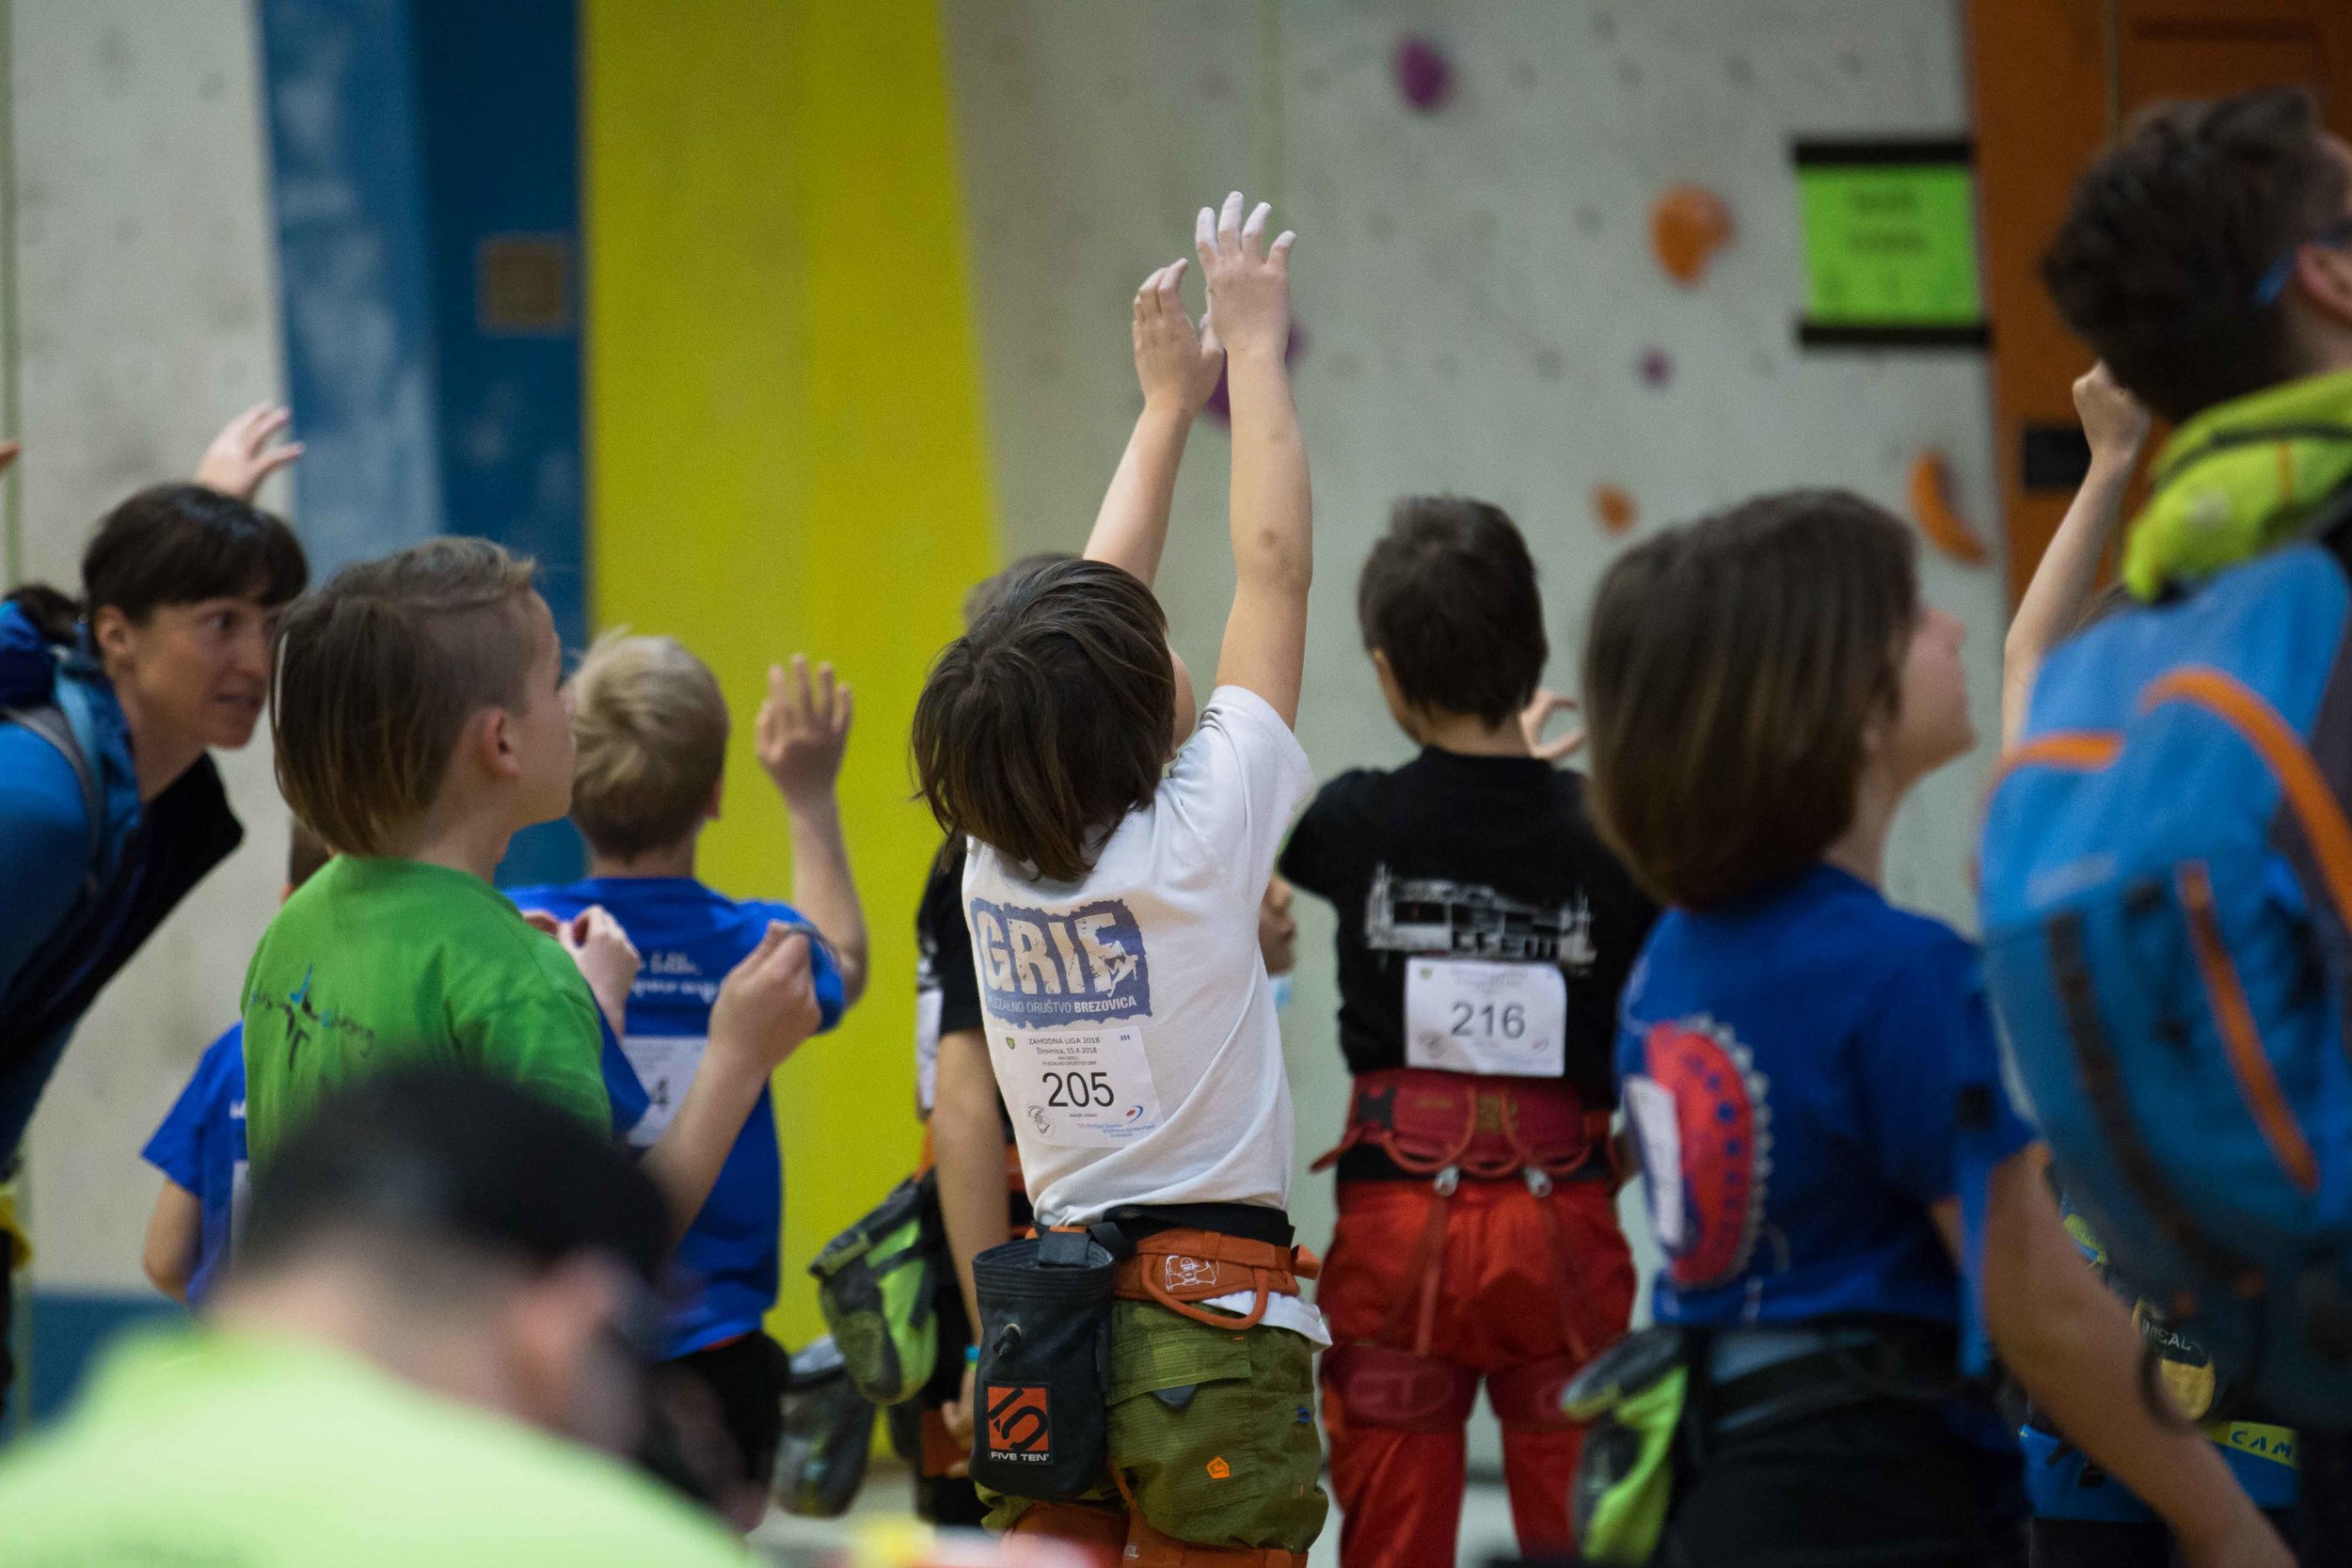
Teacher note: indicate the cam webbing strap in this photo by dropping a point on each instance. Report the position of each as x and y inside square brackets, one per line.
[2103, 1086]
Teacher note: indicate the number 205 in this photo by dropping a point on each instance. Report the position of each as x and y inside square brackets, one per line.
[1079, 1091]
[1508, 1021]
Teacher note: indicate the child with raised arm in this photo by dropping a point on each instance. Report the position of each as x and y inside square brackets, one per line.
[650, 728]
[420, 722]
[1176, 366]
[1112, 901]
[2056, 601]
[2083, 1516]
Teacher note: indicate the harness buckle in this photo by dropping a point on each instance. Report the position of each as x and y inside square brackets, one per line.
[1538, 1180]
[1447, 1181]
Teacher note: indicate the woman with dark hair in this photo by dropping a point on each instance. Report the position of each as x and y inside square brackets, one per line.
[110, 808]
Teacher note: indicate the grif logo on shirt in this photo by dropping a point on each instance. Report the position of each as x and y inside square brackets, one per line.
[1040, 968]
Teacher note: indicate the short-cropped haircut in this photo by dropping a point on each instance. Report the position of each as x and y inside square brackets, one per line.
[1046, 723]
[376, 674]
[2169, 237]
[1449, 596]
[650, 728]
[1730, 669]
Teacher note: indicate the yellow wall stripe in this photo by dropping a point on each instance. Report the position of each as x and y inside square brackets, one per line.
[785, 453]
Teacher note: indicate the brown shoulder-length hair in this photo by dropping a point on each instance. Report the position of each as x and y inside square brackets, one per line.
[1730, 669]
[1046, 722]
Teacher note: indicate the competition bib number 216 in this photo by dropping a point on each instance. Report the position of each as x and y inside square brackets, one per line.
[1082, 1088]
[1497, 1020]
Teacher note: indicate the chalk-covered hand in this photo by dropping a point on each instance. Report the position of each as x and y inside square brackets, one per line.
[1176, 362]
[1249, 281]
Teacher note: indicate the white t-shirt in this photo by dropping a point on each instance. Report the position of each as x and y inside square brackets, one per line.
[1130, 1020]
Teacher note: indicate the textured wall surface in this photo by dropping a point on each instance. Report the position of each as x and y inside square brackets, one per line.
[1479, 304]
[147, 318]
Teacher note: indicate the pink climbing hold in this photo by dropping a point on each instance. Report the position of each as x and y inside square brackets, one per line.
[1423, 74]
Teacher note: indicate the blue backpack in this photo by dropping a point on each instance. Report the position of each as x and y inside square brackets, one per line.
[2167, 884]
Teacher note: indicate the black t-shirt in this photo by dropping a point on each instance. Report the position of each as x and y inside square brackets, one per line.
[946, 991]
[1470, 858]
[942, 946]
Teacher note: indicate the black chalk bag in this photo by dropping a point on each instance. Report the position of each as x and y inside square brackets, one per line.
[1040, 1394]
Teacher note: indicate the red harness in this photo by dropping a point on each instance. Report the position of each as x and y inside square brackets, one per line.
[1450, 1125]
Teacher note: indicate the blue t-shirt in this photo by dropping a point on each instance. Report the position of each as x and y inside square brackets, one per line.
[1792, 1067]
[200, 1147]
[686, 939]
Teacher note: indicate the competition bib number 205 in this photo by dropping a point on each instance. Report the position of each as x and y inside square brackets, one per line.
[1497, 1020]
[1082, 1089]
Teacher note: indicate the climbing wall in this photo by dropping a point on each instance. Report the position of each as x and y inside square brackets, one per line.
[1482, 304]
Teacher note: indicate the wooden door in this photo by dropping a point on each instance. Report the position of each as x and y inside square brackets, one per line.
[2053, 81]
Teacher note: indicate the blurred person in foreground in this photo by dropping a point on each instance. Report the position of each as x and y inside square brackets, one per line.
[440, 1309]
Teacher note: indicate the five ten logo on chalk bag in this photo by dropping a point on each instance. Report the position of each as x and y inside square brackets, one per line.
[1020, 1424]
[1044, 969]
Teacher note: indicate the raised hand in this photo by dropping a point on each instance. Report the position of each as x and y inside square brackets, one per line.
[801, 730]
[606, 958]
[2114, 421]
[242, 455]
[1537, 714]
[767, 1004]
[1177, 362]
[1249, 281]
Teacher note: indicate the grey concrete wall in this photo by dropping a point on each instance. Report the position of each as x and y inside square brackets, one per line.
[147, 316]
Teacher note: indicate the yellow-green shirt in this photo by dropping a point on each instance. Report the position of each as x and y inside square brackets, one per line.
[204, 1450]
[380, 963]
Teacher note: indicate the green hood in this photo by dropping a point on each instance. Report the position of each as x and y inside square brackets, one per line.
[2239, 478]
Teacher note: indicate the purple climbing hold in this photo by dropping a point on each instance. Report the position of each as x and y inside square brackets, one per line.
[1656, 366]
[1423, 74]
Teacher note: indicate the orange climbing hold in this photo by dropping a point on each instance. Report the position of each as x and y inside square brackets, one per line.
[1687, 226]
[1932, 508]
[1614, 507]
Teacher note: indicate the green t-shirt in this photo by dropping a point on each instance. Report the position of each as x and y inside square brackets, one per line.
[195, 1448]
[382, 963]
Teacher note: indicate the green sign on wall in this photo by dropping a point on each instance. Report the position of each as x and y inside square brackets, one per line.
[1890, 244]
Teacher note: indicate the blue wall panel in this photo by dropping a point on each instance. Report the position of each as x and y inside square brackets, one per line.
[412, 139]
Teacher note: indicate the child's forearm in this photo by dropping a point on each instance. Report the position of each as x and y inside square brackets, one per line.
[968, 1143]
[175, 1238]
[1272, 507]
[824, 890]
[1130, 529]
[2075, 1347]
[2061, 584]
[685, 1162]
[1265, 635]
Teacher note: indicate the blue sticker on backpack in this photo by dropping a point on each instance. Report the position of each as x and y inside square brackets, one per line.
[1040, 968]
